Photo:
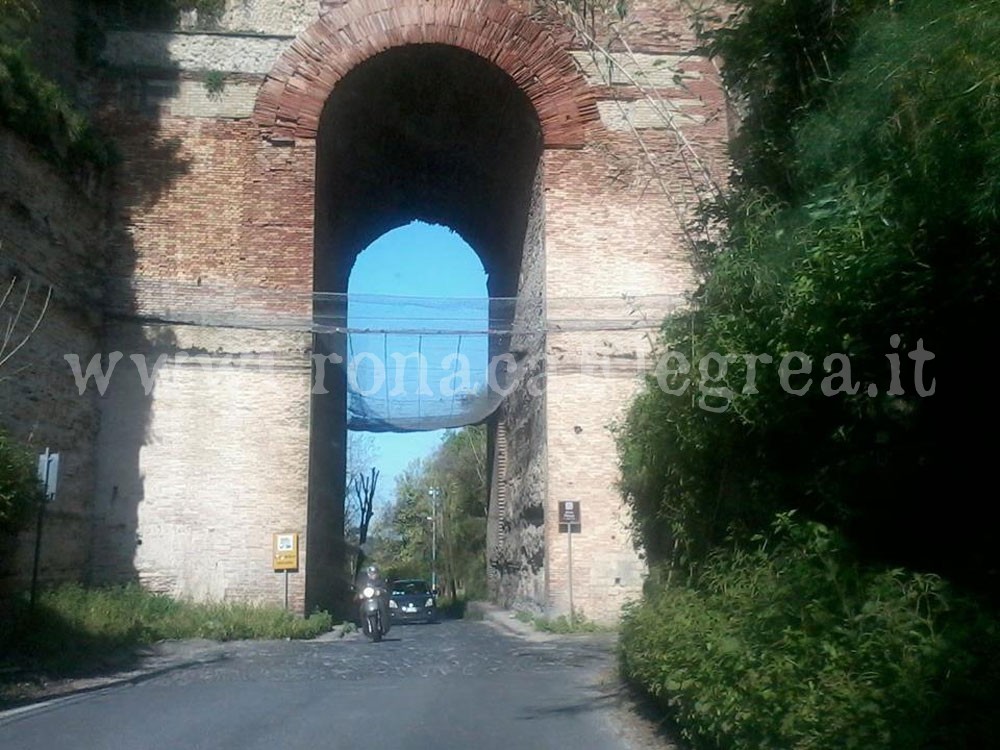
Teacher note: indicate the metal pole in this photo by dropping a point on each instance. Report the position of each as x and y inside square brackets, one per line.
[38, 533]
[433, 493]
[569, 537]
[286, 589]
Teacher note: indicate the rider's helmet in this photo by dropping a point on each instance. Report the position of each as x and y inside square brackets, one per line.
[372, 571]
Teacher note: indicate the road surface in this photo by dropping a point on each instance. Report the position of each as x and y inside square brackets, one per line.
[455, 685]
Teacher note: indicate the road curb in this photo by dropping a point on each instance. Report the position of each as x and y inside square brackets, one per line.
[152, 664]
[504, 619]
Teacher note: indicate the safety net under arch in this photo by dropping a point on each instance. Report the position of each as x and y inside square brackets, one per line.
[410, 363]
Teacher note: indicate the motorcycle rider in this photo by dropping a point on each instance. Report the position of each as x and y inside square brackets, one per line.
[372, 576]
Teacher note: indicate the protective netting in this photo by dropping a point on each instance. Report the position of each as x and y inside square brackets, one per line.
[410, 363]
[418, 364]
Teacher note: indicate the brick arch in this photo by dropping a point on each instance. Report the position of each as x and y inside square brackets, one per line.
[291, 100]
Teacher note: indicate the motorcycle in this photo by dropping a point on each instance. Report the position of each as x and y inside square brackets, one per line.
[374, 621]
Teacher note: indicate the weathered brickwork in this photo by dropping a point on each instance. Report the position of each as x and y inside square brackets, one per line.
[202, 465]
[218, 189]
[614, 216]
[51, 236]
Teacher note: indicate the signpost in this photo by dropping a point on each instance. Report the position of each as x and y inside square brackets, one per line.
[569, 518]
[48, 478]
[286, 556]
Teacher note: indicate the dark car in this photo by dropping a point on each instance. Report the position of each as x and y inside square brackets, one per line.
[412, 600]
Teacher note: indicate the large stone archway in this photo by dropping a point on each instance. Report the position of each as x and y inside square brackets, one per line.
[196, 475]
[292, 97]
[334, 75]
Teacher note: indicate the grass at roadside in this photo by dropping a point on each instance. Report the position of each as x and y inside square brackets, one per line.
[74, 629]
[454, 609]
[562, 624]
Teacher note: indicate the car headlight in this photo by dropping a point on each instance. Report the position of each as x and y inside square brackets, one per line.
[392, 604]
[429, 603]
[368, 592]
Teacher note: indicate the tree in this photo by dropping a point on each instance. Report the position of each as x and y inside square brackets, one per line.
[362, 456]
[17, 330]
[20, 492]
[862, 222]
[457, 468]
[364, 504]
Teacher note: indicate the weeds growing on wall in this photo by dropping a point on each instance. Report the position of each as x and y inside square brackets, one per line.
[41, 113]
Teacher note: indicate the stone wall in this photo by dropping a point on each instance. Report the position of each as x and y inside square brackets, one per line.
[270, 16]
[218, 188]
[516, 539]
[617, 258]
[51, 236]
[198, 472]
[203, 462]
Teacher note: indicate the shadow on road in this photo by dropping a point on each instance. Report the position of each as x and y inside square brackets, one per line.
[600, 702]
[33, 688]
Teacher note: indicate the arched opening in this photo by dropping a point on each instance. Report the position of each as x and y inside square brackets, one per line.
[418, 317]
[414, 364]
[425, 132]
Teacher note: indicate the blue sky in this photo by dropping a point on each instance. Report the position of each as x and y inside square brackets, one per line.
[416, 262]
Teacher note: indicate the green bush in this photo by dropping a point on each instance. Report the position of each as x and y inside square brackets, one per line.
[19, 489]
[562, 624]
[789, 644]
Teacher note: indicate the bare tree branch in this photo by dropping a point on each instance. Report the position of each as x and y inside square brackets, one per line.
[10, 335]
[364, 496]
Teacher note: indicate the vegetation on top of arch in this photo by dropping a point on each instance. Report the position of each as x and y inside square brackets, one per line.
[36, 108]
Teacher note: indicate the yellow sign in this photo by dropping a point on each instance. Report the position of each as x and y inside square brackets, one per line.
[286, 551]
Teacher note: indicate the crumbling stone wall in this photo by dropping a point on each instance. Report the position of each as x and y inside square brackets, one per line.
[515, 532]
[51, 236]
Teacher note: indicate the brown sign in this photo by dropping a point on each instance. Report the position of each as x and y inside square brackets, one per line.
[569, 512]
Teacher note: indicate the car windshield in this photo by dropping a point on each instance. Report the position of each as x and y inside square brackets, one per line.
[409, 587]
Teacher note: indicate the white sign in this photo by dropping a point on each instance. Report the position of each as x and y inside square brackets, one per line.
[48, 474]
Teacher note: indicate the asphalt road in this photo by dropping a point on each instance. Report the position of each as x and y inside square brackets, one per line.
[449, 686]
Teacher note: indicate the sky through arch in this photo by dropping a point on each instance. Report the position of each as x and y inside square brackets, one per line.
[409, 289]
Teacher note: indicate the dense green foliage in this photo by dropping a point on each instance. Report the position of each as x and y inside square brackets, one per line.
[458, 470]
[882, 221]
[19, 488]
[780, 59]
[35, 107]
[41, 113]
[790, 644]
[862, 231]
[72, 625]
